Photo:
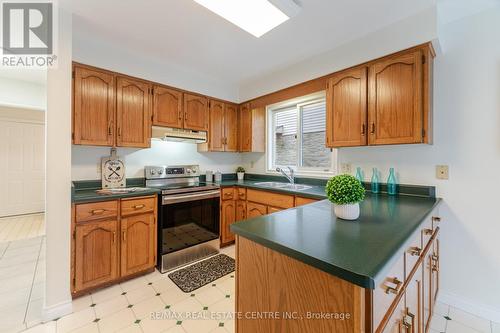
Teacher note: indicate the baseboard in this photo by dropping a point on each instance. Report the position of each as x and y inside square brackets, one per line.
[479, 310]
[57, 311]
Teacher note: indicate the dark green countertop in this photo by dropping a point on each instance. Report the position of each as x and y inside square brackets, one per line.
[357, 251]
[84, 191]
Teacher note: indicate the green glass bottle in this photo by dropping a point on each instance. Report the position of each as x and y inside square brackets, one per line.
[391, 183]
[359, 175]
[375, 181]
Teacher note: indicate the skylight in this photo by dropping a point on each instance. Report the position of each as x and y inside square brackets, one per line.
[257, 17]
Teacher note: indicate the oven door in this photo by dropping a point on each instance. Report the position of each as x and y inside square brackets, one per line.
[187, 220]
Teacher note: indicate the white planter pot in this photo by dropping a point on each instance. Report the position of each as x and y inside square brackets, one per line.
[241, 175]
[347, 212]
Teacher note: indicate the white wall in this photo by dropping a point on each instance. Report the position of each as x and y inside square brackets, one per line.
[85, 160]
[58, 177]
[467, 138]
[22, 94]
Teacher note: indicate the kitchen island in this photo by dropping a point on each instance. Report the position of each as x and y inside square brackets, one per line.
[304, 270]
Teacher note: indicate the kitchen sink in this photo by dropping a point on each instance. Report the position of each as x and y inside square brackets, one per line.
[281, 185]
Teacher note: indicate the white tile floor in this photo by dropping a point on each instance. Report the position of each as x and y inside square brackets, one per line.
[128, 307]
[22, 276]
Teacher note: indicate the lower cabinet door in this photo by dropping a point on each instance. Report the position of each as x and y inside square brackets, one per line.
[241, 210]
[96, 253]
[137, 243]
[228, 218]
[255, 209]
[427, 289]
[413, 315]
[271, 210]
[395, 322]
[435, 271]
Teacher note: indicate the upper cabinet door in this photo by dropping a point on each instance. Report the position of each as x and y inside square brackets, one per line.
[93, 107]
[347, 109]
[133, 113]
[245, 128]
[395, 110]
[195, 112]
[216, 140]
[231, 127]
[167, 107]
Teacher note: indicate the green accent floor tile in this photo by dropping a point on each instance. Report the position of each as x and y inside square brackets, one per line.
[205, 308]
[92, 305]
[158, 294]
[221, 324]
[447, 318]
[124, 293]
[167, 306]
[137, 321]
[96, 320]
[178, 322]
[130, 305]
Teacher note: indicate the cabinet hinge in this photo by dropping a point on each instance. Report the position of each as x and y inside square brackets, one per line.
[423, 59]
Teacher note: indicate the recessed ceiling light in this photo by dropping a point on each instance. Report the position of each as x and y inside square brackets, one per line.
[254, 16]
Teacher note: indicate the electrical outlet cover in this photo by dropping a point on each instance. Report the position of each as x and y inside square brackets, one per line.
[442, 172]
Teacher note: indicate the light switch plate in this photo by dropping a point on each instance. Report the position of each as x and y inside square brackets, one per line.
[442, 172]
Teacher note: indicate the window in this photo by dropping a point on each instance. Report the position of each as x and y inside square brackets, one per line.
[296, 135]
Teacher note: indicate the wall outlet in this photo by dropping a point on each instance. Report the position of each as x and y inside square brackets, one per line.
[442, 172]
[346, 168]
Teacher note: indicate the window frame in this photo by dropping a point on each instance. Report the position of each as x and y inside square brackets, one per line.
[299, 104]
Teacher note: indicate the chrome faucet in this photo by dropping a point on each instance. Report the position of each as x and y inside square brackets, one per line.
[290, 177]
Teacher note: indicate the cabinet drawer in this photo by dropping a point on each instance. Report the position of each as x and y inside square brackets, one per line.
[242, 193]
[270, 199]
[388, 290]
[228, 193]
[413, 252]
[96, 210]
[137, 206]
[300, 201]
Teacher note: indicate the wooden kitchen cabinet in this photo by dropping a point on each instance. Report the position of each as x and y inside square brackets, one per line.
[255, 209]
[346, 115]
[196, 114]
[96, 253]
[138, 243]
[216, 132]
[112, 241]
[133, 113]
[382, 102]
[230, 127]
[228, 217]
[413, 313]
[395, 107]
[167, 107]
[223, 128]
[241, 210]
[252, 129]
[93, 107]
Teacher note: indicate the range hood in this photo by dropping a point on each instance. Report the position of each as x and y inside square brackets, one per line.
[178, 135]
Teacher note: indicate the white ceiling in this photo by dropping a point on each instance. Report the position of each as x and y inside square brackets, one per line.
[184, 33]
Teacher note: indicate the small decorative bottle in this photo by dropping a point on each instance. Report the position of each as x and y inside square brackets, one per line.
[375, 182]
[359, 175]
[391, 183]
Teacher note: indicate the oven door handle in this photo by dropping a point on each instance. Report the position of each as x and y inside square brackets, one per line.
[172, 199]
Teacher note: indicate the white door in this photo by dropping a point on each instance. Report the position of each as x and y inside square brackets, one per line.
[22, 167]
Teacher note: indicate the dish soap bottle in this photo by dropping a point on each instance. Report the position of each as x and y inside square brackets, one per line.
[391, 183]
[375, 182]
[359, 175]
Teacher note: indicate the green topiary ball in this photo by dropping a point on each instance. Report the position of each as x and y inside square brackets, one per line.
[344, 190]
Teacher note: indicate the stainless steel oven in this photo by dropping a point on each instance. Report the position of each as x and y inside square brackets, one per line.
[188, 221]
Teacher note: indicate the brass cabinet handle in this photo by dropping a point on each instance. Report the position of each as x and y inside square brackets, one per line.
[114, 237]
[397, 289]
[373, 128]
[109, 130]
[363, 129]
[436, 219]
[139, 206]
[98, 211]
[185, 116]
[180, 115]
[124, 235]
[415, 251]
[119, 131]
[427, 231]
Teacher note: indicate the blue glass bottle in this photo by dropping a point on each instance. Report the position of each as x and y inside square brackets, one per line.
[375, 182]
[359, 175]
[391, 183]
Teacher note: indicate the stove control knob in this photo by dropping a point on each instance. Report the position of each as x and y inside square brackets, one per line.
[160, 172]
[153, 172]
[188, 170]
